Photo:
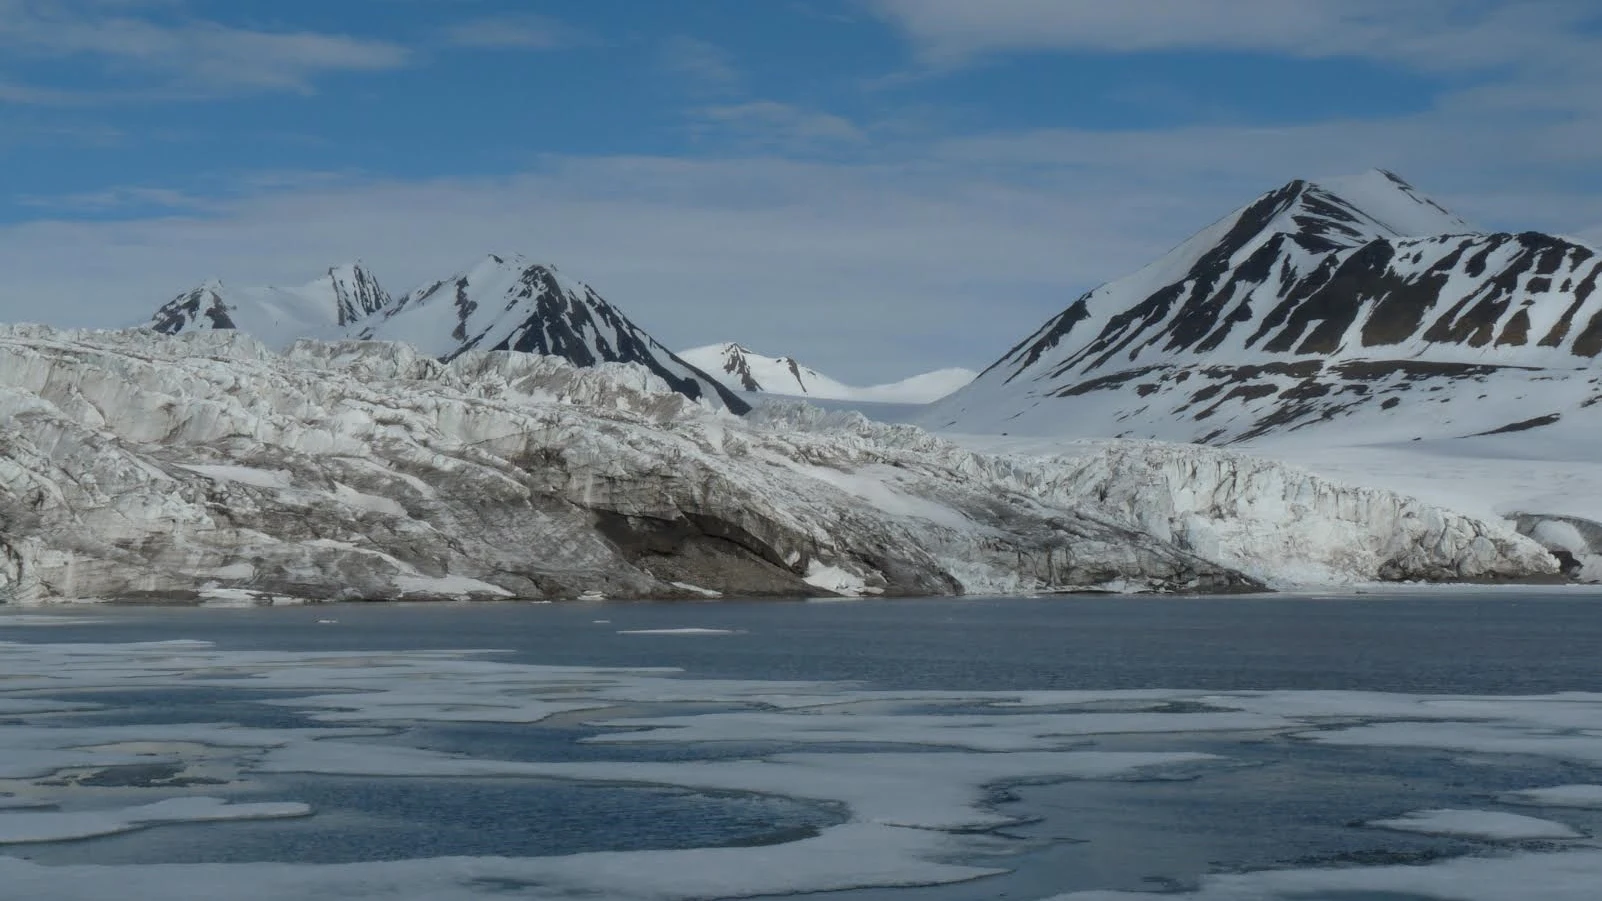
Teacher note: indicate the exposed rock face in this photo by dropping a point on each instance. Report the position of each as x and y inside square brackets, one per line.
[1353, 302]
[140, 464]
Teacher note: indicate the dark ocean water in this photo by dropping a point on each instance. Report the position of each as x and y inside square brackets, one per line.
[1522, 642]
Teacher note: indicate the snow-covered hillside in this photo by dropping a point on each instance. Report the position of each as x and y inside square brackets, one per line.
[205, 464]
[1353, 306]
[743, 370]
[325, 308]
[499, 303]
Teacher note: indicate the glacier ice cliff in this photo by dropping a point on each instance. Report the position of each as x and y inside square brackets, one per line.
[206, 465]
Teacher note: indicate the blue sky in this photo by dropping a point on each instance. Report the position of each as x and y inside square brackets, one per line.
[875, 186]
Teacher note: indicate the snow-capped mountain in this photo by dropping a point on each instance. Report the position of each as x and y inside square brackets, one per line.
[343, 297]
[499, 303]
[1355, 302]
[744, 370]
[510, 303]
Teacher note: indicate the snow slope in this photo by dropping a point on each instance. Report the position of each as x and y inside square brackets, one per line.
[206, 465]
[1345, 305]
[743, 370]
[345, 296]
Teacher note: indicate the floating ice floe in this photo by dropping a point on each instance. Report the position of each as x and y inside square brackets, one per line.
[54, 826]
[1485, 824]
[686, 631]
[1567, 876]
[1582, 796]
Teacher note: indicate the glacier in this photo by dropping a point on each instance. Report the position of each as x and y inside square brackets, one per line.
[207, 466]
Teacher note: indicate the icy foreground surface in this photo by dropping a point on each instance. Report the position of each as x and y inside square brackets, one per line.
[914, 801]
[206, 465]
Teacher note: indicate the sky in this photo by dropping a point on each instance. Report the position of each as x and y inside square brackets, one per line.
[877, 187]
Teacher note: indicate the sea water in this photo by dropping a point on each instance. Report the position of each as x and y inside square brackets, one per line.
[921, 749]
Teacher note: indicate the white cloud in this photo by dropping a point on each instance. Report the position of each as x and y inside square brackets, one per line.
[770, 122]
[117, 199]
[1419, 33]
[704, 64]
[193, 58]
[526, 32]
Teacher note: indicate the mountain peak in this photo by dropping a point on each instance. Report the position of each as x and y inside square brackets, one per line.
[356, 293]
[1388, 200]
[1318, 299]
[1342, 211]
[508, 302]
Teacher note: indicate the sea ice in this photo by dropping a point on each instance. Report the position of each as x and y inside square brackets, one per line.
[1486, 824]
[1567, 876]
[979, 732]
[846, 857]
[907, 811]
[1584, 796]
[55, 826]
[686, 631]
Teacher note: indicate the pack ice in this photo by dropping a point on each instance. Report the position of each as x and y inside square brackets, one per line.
[207, 465]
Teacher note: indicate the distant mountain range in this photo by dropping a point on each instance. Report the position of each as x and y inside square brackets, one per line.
[499, 303]
[1356, 304]
[744, 370]
[1353, 303]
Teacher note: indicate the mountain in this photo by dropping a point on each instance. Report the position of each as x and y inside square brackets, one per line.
[743, 370]
[499, 303]
[509, 303]
[1355, 304]
[343, 297]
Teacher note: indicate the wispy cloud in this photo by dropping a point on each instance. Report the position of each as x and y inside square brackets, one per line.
[1423, 33]
[77, 134]
[767, 122]
[706, 65]
[141, 56]
[119, 199]
[516, 32]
